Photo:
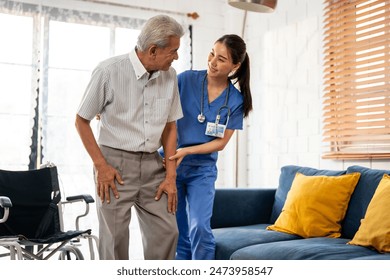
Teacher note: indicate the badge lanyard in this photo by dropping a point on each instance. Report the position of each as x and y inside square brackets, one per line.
[214, 129]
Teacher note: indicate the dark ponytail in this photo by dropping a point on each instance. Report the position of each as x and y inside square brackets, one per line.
[237, 48]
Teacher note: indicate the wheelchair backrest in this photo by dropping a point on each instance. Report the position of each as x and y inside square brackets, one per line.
[34, 195]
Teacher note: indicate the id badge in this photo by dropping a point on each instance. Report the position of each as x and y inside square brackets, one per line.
[216, 130]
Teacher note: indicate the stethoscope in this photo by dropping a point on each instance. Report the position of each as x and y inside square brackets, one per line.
[202, 117]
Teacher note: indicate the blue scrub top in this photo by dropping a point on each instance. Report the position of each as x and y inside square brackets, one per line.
[191, 132]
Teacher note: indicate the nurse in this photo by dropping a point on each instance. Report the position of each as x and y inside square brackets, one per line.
[213, 109]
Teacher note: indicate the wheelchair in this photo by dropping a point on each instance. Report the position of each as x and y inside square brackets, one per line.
[31, 222]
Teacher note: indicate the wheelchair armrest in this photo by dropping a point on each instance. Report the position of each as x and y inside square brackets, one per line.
[5, 202]
[84, 197]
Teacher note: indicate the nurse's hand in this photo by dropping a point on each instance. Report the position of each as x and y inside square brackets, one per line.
[180, 154]
[168, 186]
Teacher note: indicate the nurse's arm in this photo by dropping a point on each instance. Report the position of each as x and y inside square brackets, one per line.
[216, 145]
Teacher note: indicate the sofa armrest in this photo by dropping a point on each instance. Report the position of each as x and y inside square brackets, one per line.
[242, 206]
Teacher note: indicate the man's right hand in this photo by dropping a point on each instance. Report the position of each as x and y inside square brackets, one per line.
[105, 180]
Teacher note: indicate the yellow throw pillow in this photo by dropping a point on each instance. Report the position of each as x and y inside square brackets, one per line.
[374, 230]
[316, 205]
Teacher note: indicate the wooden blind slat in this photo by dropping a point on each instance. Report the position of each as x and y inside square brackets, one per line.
[347, 63]
[352, 136]
[351, 115]
[346, 96]
[375, 105]
[353, 84]
[356, 51]
[356, 118]
[350, 156]
[370, 69]
[342, 91]
[352, 125]
[369, 78]
[355, 41]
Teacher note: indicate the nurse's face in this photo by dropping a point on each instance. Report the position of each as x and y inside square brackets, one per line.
[220, 62]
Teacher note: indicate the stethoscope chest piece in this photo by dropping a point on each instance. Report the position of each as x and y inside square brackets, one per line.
[201, 118]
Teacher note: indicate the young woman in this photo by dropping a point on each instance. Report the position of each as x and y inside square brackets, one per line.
[213, 108]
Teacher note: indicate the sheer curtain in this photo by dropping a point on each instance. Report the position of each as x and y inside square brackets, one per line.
[46, 58]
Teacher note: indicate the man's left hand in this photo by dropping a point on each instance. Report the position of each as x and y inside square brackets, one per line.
[169, 188]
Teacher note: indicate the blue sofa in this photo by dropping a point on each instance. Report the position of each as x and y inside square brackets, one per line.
[241, 216]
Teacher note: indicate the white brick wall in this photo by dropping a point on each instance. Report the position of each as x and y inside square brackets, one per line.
[285, 126]
[286, 72]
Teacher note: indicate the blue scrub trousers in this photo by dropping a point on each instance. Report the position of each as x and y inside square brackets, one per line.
[196, 191]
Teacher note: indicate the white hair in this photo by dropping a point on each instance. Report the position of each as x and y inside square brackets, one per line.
[157, 31]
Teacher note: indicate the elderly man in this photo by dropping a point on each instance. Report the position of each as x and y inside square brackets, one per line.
[136, 98]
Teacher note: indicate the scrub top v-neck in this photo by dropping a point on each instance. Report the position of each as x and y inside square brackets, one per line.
[190, 130]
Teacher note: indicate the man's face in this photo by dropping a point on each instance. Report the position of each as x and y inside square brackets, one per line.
[165, 56]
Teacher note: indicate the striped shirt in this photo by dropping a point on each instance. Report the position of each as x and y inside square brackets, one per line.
[133, 107]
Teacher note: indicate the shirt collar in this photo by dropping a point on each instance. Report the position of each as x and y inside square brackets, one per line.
[139, 68]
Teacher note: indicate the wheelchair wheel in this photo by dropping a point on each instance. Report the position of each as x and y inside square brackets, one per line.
[70, 253]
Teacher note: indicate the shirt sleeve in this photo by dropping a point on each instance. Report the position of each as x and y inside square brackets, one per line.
[176, 109]
[95, 95]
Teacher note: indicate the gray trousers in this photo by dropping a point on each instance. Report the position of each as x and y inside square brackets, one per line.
[142, 174]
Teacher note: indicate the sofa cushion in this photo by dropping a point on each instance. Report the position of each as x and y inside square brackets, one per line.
[235, 207]
[374, 230]
[320, 248]
[233, 238]
[316, 205]
[286, 178]
[361, 197]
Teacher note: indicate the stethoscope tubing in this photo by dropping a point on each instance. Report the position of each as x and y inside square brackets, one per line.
[201, 116]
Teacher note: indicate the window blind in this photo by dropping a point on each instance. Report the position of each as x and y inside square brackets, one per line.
[356, 103]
